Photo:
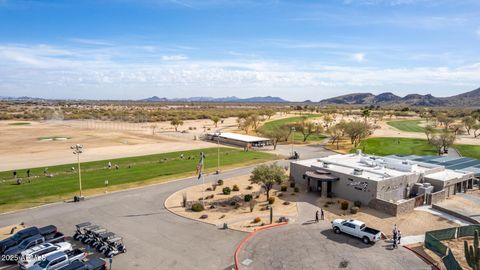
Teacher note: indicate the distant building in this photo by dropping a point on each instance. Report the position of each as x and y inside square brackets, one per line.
[389, 184]
[241, 140]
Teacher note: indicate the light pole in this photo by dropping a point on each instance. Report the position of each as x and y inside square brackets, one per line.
[77, 150]
[293, 138]
[218, 152]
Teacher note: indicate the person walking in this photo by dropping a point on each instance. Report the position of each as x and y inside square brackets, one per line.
[316, 217]
[28, 173]
[14, 174]
[399, 236]
[395, 239]
[321, 214]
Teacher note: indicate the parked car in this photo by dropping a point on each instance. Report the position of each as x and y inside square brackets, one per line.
[59, 259]
[356, 228]
[92, 264]
[13, 254]
[37, 253]
[23, 234]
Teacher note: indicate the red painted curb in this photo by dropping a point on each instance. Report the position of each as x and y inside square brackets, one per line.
[244, 240]
[424, 258]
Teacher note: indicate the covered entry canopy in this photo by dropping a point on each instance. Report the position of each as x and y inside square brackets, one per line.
[320, 175]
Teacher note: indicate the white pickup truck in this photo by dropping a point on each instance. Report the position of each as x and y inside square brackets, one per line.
[356, 228]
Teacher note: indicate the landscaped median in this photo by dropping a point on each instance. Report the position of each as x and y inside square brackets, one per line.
[236, 202]
[57, 183]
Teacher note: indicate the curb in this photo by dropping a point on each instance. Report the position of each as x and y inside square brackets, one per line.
[435, 265]
[240, 245]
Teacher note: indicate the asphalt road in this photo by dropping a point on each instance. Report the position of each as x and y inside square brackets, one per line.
[316, 246]
[154, 237]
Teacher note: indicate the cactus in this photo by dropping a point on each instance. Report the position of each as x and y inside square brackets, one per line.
[472, 253]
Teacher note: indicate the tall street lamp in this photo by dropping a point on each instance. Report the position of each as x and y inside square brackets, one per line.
[293, 138]
[77, 150]
[218, 151]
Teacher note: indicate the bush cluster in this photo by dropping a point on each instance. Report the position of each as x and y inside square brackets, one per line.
[354, 210]
[197, 207]
[235, 188]
[283, 188]
[271, 200]
[226, 190]
[256, 220]
[220, 182]
[344, 205]
[247, 197]
[357, 204]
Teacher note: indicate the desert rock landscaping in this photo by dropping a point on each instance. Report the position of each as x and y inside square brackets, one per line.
[233, 208]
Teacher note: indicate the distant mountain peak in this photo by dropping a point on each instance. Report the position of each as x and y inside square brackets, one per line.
[265, 99]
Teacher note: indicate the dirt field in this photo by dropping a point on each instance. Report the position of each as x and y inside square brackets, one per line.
[240, 218]
[27, 146]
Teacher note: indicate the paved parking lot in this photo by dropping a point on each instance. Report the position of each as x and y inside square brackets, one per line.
[315, 246]
[154, 237]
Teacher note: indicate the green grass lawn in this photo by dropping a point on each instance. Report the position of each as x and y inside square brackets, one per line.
[297, 135]
[143, 170]
[407, 146]
[19, 124]
[467, 150]
[397, 146]
[407, 125]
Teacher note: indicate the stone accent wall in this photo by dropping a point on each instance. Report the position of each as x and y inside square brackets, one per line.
[437, 197]
[393, 208]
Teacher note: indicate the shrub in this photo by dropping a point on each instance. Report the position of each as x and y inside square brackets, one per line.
[208, 189]
[203, 216]
[233, 203]
[197, 207]
[249, 187]
[247, 197]
[292, 184]
[271, 200]
[357, 204]
[354, 210]
[280, 194]
[235, 188]
[286, 203]
[296, 189]
[325, 205]
[283, 188]
[226, 190]
[256, 220]
[220, 182]
[344, 205]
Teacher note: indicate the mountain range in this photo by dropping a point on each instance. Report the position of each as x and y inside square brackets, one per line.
[266, 99]
[468, 99]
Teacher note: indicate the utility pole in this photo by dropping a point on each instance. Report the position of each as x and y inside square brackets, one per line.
[293, 138]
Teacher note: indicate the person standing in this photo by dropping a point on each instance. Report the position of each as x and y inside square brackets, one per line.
[28, 173]
[14, 174]
[394, 239]
[316, 217]
[399, 236]
[321, 214]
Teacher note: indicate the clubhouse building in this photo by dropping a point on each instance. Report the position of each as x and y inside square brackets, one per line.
[390, 184]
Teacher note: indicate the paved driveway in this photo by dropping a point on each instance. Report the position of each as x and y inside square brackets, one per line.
[154, 237]
[315, 246]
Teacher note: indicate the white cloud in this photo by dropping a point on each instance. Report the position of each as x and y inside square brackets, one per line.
[359, 57]
[49, 71]
[175, 57]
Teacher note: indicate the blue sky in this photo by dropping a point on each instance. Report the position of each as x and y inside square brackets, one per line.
[298, 50]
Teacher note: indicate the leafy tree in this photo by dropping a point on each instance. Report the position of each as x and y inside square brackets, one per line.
[328, 120]
[429, 130]
[475, 128]
[245, 124]
[276, 134]
[336, 134]
[176, 122]
[269, 113]
[308, 128]
[468, 122]
[443, 140]
[365, 114]
[357, 131]
[267, 176]
[215, 119]
[255, 120]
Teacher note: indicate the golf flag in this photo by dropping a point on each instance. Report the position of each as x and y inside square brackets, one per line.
[200, 165]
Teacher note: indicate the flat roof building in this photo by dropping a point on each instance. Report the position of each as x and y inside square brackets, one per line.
[373, 180]
[239, 139]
